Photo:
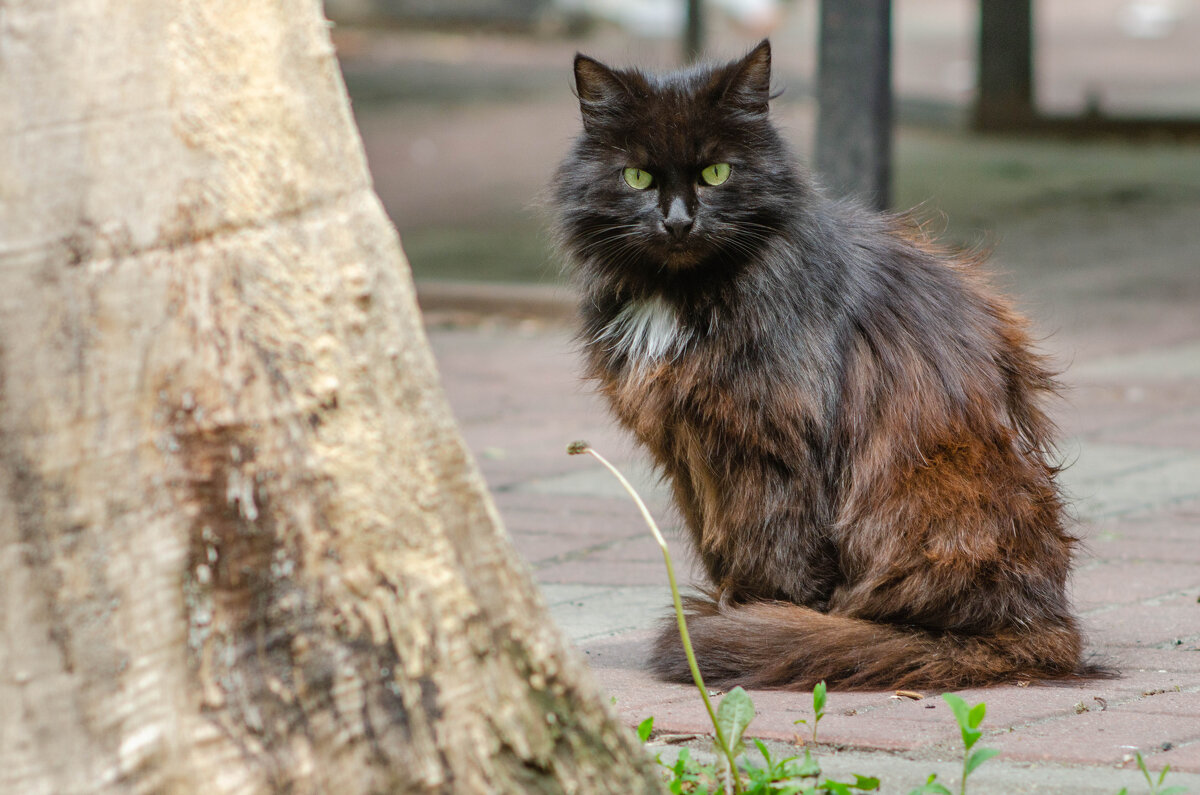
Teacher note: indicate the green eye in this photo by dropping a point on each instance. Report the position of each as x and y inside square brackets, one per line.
[715, 174]
[637, 178]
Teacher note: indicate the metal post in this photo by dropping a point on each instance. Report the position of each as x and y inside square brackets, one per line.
[854, 99]
[1005, 97]
[693, 31]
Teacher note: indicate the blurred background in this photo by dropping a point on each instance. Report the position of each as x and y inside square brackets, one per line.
[465, 108]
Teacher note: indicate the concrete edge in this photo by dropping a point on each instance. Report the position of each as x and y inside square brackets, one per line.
[539, 301]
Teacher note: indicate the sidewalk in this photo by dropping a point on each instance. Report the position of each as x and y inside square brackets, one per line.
[1118, 288]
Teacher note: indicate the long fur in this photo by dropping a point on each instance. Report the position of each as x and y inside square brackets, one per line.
[849, 415]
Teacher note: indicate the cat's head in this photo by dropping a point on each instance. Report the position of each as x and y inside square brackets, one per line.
[675, 175]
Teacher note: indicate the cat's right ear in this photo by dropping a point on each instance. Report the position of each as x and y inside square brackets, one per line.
[600, 90]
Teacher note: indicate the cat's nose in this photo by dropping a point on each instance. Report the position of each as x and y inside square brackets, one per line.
[678, 221]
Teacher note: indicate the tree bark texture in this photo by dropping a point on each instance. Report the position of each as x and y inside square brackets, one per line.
[242, 546]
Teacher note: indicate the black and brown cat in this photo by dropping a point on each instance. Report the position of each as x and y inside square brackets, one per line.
[849, 415]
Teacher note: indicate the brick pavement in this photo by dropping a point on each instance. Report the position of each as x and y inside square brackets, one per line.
[1132, 438]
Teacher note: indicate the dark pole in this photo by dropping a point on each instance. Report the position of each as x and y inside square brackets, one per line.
[854, 99]
[693, 31]
[1005, 97]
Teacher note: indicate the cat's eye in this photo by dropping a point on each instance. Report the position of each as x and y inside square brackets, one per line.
[715, 174]
[637, 178]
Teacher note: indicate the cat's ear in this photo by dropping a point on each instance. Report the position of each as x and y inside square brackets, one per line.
[746, 84]
[600, 90]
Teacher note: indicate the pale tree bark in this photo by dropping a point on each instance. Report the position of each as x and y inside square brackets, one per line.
[242, 547]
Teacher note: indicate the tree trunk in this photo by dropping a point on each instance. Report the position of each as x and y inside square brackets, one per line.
[242, 546]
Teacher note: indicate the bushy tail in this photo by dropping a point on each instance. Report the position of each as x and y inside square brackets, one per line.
[781, 645]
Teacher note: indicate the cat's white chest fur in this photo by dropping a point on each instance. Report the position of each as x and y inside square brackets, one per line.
[645, 331]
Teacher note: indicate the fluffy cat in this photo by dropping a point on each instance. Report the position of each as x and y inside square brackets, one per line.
[849, 416]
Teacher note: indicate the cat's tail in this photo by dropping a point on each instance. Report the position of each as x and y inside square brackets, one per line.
[780, 645]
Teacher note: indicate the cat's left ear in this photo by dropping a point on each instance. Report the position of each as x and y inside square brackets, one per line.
[746, 84]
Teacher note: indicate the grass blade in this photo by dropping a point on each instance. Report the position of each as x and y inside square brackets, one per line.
[580, 448]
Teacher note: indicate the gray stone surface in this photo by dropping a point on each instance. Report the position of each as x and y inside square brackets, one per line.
[1117, 479]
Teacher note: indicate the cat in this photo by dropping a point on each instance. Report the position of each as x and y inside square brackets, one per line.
[849, 416]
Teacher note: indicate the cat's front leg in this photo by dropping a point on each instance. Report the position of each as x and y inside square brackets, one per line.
[785, 558]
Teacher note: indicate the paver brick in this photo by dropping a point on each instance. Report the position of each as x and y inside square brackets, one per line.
[1104, 737]
[1183, 758]
[1173, 659]
[586, 571]
[1121, 549]
[541, 548]
[1100, 583]
[1166, 702]
[1158, 622]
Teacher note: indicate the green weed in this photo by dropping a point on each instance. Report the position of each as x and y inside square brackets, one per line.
[930, 787]
[1156, 787]
[818, 709]
[644, 728]
[969, 719]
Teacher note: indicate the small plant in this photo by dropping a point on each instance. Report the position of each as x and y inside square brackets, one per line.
[691, 777]
[930, 787]
[1155, 786]
[968, 719]
[818, 709]
[644, 728]
[776, 770]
